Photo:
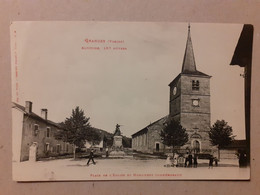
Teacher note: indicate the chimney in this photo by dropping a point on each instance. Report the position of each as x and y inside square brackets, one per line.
[44, 113]
[28, 106]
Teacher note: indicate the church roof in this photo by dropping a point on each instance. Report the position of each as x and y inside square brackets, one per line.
[189, 64]
[145, 129]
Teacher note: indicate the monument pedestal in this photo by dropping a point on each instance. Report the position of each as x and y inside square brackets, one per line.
[117, 148]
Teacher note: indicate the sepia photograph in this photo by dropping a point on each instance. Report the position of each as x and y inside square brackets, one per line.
[130, 100]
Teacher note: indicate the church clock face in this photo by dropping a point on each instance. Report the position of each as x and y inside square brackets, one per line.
[174, 90]
[195, 102]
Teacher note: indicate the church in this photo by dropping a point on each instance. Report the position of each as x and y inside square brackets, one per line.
[189, 103]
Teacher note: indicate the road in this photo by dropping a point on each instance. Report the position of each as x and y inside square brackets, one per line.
[124, 169]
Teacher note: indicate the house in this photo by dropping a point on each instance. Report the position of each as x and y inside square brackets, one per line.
[38, 131]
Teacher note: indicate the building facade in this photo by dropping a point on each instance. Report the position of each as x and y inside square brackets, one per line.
[40, 132]
[189, 103]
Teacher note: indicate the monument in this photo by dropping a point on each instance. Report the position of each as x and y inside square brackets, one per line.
[117, 148]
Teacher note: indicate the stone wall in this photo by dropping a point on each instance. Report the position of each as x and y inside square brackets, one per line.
[196, 118]
[146, 142]
[186, 85]
[228, 154]
[140, 143]
[155, 138]
[175, 101]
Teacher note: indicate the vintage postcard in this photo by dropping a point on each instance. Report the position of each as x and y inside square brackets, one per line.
[130, 101]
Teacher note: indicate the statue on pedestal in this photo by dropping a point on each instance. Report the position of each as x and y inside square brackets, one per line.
[117, 139]
[117, 148]
[117, 131]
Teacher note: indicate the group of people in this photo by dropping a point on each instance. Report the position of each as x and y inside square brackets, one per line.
[191, 160]
[187, 160]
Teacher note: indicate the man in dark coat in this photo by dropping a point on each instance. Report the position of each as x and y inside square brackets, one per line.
[190, 160]
[91, 157]
[211, 159]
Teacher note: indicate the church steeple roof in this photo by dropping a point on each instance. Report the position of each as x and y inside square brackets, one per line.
[188, 64]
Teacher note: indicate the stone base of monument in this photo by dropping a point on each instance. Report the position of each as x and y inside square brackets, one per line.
[117, 148]
[116, 153]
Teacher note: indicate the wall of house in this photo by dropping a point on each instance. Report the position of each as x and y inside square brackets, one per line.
[29, 136]
[17, 126]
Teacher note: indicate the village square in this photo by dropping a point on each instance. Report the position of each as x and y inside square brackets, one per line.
[181, 145]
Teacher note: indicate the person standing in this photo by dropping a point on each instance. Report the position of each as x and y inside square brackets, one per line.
[190, 160]
[211, 162]
[91, 157]
[175, 160]
[195, 161]
[186, 159]
[216, 161]
[107, 152]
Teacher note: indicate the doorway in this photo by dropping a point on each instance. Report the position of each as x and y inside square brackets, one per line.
[196, 146]
[157, 147]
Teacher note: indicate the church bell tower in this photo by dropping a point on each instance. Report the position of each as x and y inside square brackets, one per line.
[190, 101]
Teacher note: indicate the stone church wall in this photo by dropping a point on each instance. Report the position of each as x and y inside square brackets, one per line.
[186, 85]
[155, 138]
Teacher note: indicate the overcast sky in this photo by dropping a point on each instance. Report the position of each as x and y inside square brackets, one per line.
[128, 87]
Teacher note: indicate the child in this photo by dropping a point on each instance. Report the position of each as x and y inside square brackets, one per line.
[168, 162]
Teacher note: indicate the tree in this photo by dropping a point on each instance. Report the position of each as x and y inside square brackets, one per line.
[93, 136]
[76, 130]
[174, 135]
[220, 135]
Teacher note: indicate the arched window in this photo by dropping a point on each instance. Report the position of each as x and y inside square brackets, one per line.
[195, 85]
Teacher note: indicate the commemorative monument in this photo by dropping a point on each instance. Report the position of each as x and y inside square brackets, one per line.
[117, 148]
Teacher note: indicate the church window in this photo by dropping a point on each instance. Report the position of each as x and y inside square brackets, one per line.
[195, 85]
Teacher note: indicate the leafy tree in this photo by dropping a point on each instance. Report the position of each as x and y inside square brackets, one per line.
[174, 134]
[93, 136]
[220, 135]
[76, 130]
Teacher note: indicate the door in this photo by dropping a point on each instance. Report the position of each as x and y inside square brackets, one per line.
[157, 147]
[33, 152]
[196, 146]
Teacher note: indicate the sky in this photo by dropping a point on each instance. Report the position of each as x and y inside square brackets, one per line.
[126, 80]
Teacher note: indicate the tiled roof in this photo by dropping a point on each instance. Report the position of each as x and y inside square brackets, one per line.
[145, 129]
[33, 115]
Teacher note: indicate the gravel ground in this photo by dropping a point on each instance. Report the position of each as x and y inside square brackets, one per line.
[127, 168]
